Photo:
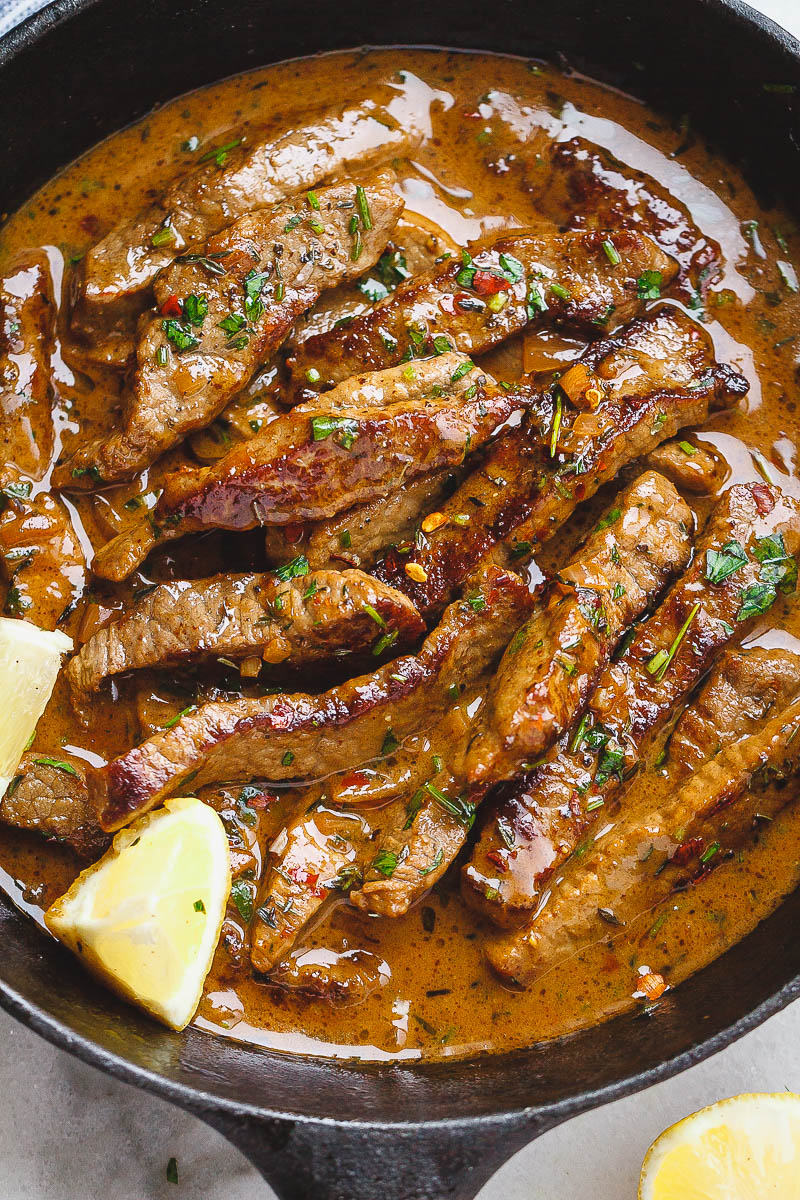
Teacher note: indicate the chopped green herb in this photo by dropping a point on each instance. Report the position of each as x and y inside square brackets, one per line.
[174, 720]
[344, 430]
[720, 564]
[195, 309]
[287, 759]
[363, 208]
[559, 290]
[232, 323]
[611, 252]
[376, 616]
[199, 906]
[709, 852]
[373, 289]
[293, 568]
[755, 600]
[687, 448]
[389, 744]
[461, 370]
[180, 335]
[163, 236]
[608, 519]
[659, 663]
[512, 268]
[313, 200]
[220, 153]
[648, 285]
[59, 764]
[242, 897]
[385, 861]
[172, 1165]
[556, 429]
[385, 641]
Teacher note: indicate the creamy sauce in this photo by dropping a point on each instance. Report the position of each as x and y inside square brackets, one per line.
[474, 174]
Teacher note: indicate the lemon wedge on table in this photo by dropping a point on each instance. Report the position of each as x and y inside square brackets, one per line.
[146, 918]
[30, 659]
[745, 1148]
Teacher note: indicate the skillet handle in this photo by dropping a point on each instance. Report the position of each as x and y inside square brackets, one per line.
[302, 1159]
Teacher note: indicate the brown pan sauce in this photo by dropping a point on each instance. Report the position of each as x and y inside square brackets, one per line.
[481, 169]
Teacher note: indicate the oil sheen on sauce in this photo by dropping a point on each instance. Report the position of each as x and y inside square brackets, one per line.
[474, 174]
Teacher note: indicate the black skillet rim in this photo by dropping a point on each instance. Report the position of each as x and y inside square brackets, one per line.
[200, 1099]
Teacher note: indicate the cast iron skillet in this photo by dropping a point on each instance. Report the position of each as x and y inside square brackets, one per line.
[83, 68]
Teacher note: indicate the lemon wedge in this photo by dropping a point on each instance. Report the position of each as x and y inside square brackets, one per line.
[146, 918]
[30, 659]
[745, 1148]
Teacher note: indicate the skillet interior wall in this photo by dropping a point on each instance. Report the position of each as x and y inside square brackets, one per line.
[132, 62]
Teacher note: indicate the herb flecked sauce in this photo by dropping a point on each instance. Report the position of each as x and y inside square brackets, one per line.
[475, 174]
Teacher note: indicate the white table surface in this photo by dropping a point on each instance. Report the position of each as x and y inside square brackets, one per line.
[69, 1132]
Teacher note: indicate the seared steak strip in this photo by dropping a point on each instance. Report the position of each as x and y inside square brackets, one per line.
[27, 333]
[252, 168]
[488, 294]
[48, 796]
[358, 535]
[691, 467]
[656, 376]
[308, 618]
[543, 817]
[584, 188]
[309, 737]
[651, 852]
[42, 558]
[744, 689]
[309, 465]
[567, 642]
[212, 328]
[554, 661]
[319, 854]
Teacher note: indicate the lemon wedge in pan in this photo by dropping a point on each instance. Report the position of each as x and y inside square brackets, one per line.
[30, 659]
[745, 1148]
[146, 918]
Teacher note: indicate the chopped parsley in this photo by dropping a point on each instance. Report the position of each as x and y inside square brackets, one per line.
[343, 429]
[720, 564]
[648, 285]
[293, 568]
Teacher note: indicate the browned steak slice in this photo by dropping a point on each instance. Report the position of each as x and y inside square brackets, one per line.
[692, 467]
[476, 301]
[313, 464]
[27, 331]
[554, 661]
[543, 817]
[358, 535]
[319, 854]
[642, 860]
[251, 168]
[656, 376]
[283, 737]
[220, 313]
[340, 978]
[306, 618]
[48, 795]
[586, 188]
[42, 558]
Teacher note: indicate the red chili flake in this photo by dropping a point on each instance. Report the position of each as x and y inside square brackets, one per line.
[687, 850]
[90, 224]
[304, 878]
[293, 533]
[765, 501]
[355, 779]
[171, 307]
[486, 283]
[262, 801]
[499, 859]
